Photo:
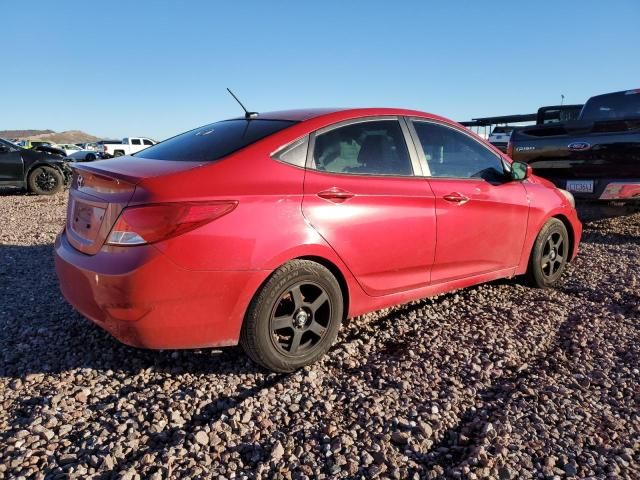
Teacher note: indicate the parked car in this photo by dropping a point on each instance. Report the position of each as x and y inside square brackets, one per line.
[100, 144]
[38, 172]
[34, 143]
[85, 156]
[597, 157]
[89, 146]
[129, 146]
[68, 148]
[41, 146]
[499, 137]
[270, 230]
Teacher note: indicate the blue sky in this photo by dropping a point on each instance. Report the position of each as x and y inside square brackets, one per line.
[157, 68]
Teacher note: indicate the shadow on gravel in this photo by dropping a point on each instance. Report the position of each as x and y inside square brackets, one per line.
[461, 443]
[42, 334]
[175, 436]
[602, 238]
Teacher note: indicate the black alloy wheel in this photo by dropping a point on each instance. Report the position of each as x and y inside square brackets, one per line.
[550, 255]
[554, 255]
[294, 317]
[45, 180]
[300, 318]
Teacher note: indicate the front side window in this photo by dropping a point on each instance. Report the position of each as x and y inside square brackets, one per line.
[450, 153]
[147, 142]
[212, 142]
[368, 148]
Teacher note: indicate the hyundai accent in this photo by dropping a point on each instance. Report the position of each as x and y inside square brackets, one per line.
[270, 230]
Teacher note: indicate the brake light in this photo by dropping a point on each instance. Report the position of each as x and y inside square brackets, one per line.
[152, 223]
[510, 149]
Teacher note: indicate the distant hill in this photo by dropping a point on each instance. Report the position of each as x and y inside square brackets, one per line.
[70, 136]
[23, 133]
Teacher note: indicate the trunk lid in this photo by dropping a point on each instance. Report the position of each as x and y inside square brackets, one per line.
[101, 190]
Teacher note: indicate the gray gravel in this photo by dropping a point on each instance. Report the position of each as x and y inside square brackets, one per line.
[496, 381]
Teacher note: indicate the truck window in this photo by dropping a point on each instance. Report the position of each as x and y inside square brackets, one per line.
[214, 141]
[135, 141]
[612, 106]
[146, 141]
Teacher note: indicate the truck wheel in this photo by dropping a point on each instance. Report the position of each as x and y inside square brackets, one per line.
[118, 153]
[294, 318]
[549, 255]
[45, 180]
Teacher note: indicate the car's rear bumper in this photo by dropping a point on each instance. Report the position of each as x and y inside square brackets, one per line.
[605, 189]
[143, 299]
[622, 190]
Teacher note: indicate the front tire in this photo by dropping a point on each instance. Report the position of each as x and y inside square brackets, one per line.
[294, 318]
[549, 256]
[45, 180]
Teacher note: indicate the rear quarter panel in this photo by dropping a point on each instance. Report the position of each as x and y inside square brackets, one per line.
[266, 228]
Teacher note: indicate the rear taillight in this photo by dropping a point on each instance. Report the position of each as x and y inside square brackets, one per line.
[510, 149]
[152, 223]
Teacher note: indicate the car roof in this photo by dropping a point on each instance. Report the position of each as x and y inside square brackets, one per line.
[305, 114]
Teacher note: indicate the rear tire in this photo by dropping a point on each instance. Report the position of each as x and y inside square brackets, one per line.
[549, 256]
[294, 318]
[45, 180]
[118, 153]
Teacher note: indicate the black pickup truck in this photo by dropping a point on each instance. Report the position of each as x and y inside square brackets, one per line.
[596, 157]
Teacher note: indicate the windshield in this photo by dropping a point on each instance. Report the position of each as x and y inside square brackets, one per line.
[214, 141]
[613, 106]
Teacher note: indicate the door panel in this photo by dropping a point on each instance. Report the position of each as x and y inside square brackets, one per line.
[361, 196]
[481, 213]
[11, 168]
[483, 234]
[385, 232]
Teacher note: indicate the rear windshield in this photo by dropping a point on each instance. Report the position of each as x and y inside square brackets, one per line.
[214, 141]
[502, 130]
[614, 106]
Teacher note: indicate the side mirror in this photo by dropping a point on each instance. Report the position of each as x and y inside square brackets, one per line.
[521, 171]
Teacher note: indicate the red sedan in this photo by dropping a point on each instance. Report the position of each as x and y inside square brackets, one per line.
[269, 230]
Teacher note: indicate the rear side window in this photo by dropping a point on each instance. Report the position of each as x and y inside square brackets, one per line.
[135, 141]
[214, 141]
[295, 153]
[367, 148]
[450, 153]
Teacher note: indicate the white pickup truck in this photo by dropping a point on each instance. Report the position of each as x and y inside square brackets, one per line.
[129, 146]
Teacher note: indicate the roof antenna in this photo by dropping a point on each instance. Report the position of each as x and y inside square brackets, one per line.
[247, 114]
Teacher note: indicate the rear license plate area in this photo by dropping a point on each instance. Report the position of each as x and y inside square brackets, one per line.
[580, 186]
[86, 220]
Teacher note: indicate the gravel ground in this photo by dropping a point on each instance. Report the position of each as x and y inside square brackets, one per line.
[495, 381]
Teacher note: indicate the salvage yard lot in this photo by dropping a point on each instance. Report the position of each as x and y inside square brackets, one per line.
[498, 380]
